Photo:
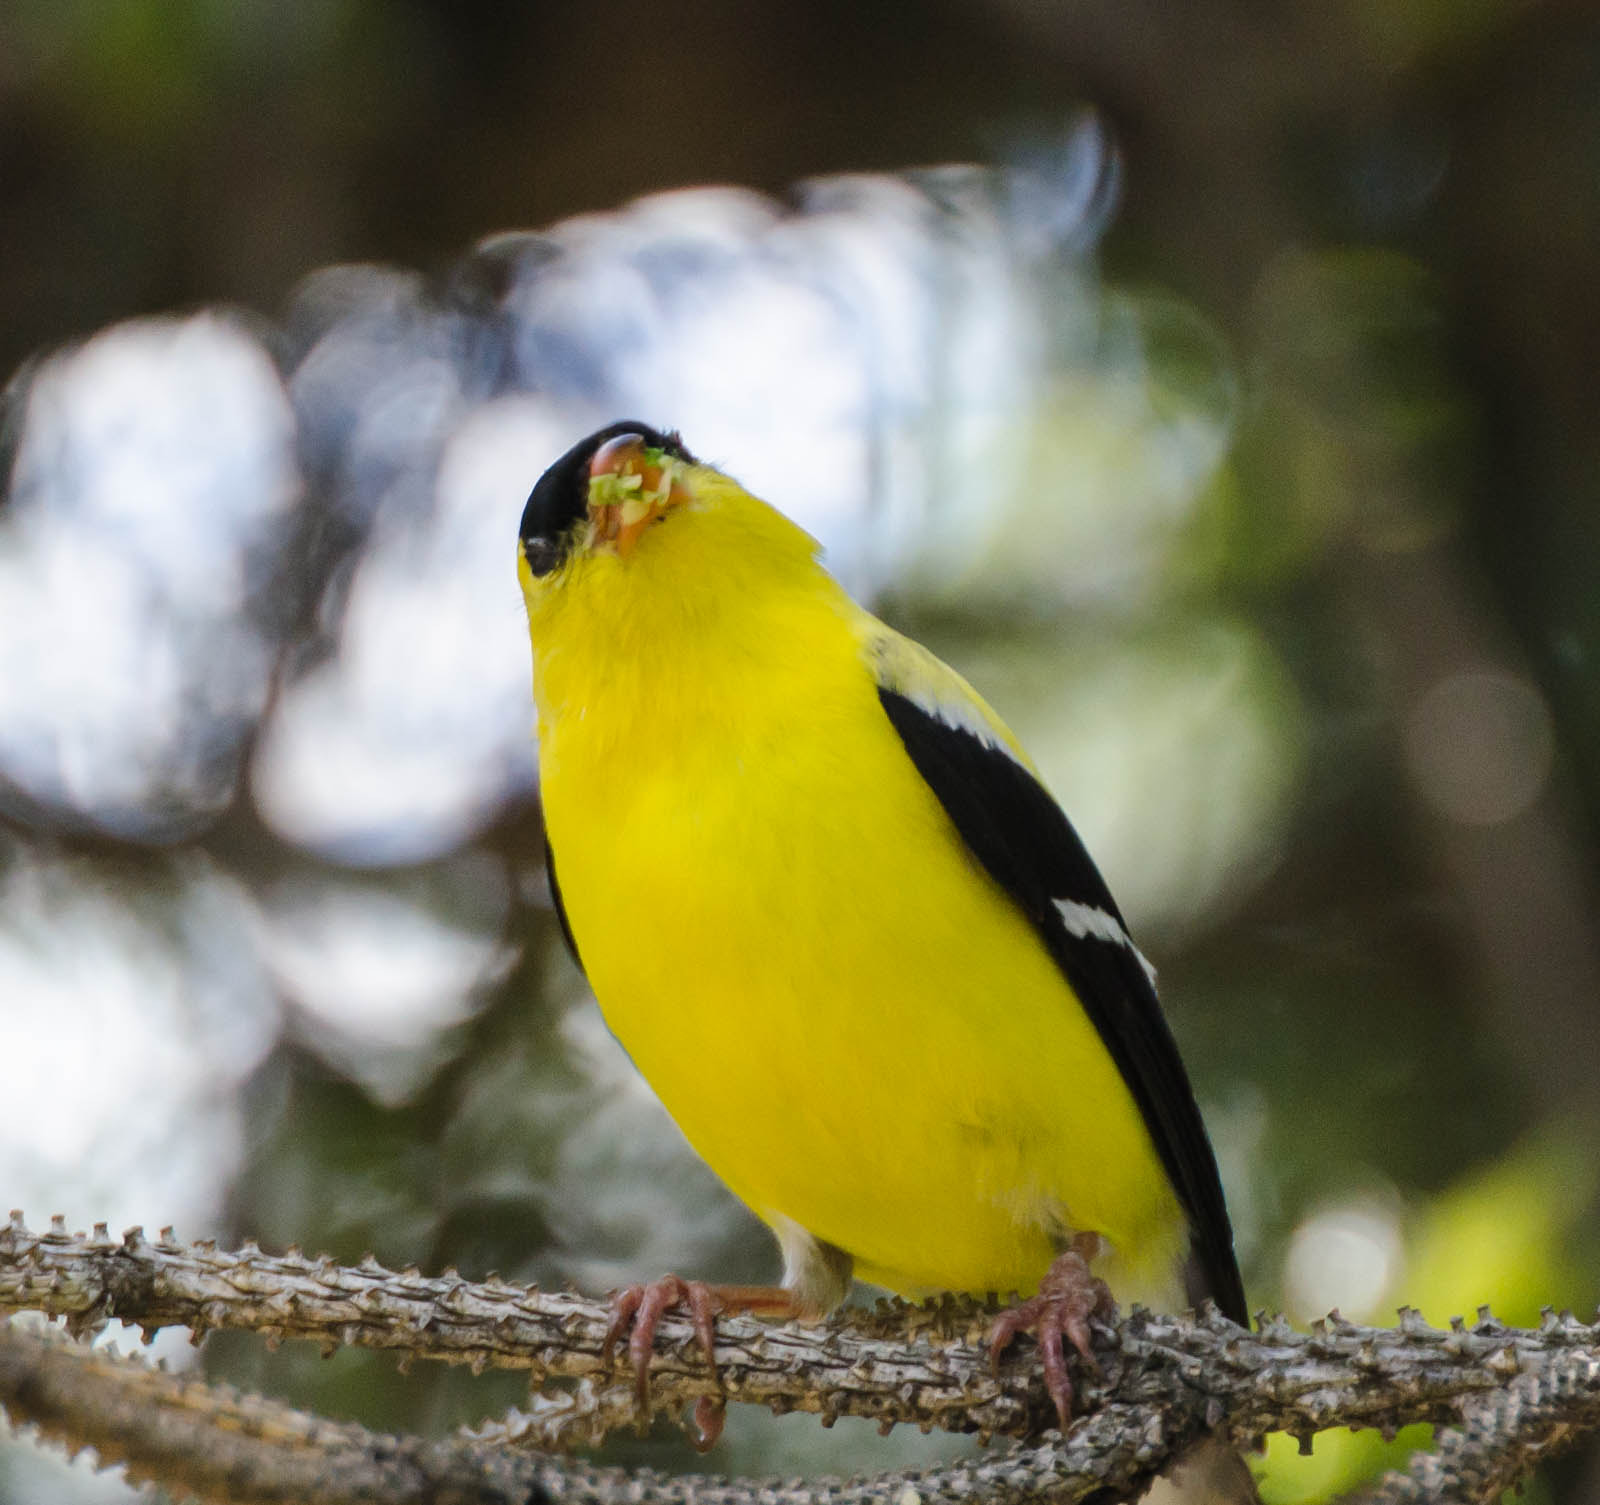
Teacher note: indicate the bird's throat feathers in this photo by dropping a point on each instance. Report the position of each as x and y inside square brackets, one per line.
[675, 623]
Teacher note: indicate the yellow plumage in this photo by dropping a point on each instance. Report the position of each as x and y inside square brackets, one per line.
[852, 1022]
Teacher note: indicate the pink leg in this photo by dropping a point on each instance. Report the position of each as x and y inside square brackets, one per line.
[1069, 1295]
[637, 1310]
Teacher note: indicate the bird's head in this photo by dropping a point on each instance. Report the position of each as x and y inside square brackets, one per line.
[602, 495]
[628, 528]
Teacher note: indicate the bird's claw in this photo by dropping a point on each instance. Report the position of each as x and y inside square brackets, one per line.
[708, 1415]
[1069, 1295]
[640, 1308]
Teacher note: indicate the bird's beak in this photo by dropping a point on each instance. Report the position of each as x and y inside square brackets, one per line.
[630, 487]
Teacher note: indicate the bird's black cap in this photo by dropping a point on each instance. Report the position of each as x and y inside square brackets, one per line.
[561, 496]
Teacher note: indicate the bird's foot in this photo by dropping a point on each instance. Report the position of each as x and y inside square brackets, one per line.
[638, 1309]
[1069, 1295]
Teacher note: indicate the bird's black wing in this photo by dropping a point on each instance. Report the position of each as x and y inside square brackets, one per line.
[555, 899]
[1023, 839]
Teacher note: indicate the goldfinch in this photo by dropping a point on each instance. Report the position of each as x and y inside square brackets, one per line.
[834, 916]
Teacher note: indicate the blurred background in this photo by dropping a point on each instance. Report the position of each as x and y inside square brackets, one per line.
[1229, 418]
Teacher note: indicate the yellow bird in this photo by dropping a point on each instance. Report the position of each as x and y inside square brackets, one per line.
[832, 913]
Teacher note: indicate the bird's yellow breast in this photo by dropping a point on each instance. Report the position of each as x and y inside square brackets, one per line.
[850, 1021]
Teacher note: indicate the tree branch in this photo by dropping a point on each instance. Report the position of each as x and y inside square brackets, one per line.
[209, 1441]
[1504, 1437]
[1165, 1382]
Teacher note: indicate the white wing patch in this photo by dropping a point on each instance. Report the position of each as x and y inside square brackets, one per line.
[957, 714]
[1085, 922]
[933, 687]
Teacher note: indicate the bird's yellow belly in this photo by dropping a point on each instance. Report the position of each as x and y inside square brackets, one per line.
[852, 1025]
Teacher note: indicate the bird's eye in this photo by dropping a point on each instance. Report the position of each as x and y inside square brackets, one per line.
[542, 554]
